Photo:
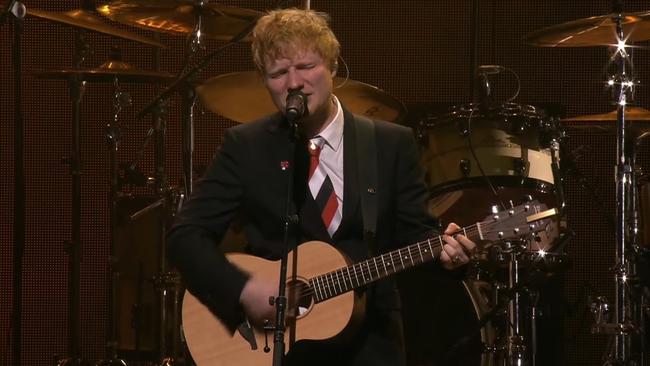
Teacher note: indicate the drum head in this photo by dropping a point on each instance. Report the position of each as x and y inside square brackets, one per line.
[441, 319]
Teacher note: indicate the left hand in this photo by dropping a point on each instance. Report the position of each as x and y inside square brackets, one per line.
[457, 250]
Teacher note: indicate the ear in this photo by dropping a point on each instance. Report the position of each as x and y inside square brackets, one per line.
[335, 68]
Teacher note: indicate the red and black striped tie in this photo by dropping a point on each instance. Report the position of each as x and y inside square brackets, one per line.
[321, 188]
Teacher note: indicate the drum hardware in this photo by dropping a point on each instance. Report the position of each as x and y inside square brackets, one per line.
[511, 315]
[617, 30]
[121, 100]
[114, 71]
[15, 10]
[73, 247]
[465, 167]
[167, 282]
[229, 95]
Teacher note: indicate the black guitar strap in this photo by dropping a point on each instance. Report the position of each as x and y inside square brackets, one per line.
[366, 145]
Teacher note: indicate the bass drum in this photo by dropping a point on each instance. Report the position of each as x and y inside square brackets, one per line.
[441, 319]
[508, 146]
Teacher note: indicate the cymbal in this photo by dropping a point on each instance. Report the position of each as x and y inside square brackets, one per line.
[86, 20]
[631, 114]
[242, 97]
[107, 72]
[593, 31]
[179, 17]
[639, 118]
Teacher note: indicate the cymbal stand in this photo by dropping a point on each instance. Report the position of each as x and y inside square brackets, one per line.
[624, 326]
[183, 85]
[73, 247]
[17, 11]
[113, 134]
[520, 347]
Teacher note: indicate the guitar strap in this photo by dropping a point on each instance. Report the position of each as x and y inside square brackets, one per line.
[366, 145]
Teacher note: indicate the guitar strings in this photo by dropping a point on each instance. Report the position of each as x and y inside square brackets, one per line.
[339, 277]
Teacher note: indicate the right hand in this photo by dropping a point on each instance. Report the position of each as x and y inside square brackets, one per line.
[255, 300]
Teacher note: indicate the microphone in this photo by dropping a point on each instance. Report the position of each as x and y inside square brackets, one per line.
[296, 105]
[490, 69]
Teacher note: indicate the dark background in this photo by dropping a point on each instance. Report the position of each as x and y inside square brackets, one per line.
[417, 51]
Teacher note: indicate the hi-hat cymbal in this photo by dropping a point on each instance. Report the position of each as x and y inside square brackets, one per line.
[83, 19]
[639, 118]
[108, 72]
[593, 31]
[180, 17]
[242, 97]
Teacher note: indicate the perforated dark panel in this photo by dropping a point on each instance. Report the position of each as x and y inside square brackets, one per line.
[418, 51]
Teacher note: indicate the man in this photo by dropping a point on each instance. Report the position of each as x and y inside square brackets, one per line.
[295, 50]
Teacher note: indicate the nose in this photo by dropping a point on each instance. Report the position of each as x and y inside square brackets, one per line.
[294, 81]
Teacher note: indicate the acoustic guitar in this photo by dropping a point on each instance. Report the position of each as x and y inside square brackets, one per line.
[320, 282]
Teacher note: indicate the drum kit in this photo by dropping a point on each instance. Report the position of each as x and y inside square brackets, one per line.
[489, 154]
[482, 155]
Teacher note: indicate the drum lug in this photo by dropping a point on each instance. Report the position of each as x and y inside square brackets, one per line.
[520, 166]
[465, 167]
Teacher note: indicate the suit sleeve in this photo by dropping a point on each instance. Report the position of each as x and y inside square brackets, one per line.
[199, 227]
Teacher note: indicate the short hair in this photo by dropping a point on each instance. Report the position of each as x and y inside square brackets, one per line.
[283, 32]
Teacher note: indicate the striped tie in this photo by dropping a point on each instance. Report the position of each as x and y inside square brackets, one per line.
[321, 188]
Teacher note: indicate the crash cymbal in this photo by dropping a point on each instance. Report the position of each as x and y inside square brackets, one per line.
[107, 72]
[593, 31]
[242, 97]
[180, 17]
[639, 119]
[86, 20]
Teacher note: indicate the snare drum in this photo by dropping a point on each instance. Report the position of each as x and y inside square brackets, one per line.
[508, 146]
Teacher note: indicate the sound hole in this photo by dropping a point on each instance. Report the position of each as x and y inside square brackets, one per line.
[299, 296]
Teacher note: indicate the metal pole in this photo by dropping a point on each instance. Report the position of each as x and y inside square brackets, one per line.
[623, 180]
[19, 192]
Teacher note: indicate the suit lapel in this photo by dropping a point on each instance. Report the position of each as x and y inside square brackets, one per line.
[350, 171]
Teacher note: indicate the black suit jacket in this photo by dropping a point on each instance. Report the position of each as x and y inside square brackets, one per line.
[246, 179]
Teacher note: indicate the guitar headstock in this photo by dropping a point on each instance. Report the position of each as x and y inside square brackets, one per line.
[516, 222]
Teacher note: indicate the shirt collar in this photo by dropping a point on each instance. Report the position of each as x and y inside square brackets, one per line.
[333, 133]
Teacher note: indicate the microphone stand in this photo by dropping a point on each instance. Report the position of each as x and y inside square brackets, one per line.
[291, 219]
[19, 180]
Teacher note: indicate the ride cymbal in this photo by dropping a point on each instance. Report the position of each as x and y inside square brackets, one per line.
[242, 97]
[108, 72]
[86, 20]
[593, 31]
[631, 114]
[639, 118]
[181, 17]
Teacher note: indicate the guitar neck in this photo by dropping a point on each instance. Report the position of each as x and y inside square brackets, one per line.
[346, 279]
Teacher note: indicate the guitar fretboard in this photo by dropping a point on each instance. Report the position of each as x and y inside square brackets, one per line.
[346, 279]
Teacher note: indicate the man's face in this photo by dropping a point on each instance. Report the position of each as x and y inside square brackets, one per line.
[305, 71]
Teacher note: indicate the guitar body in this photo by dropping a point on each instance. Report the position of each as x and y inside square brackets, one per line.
[319, 269]
[212, 344]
